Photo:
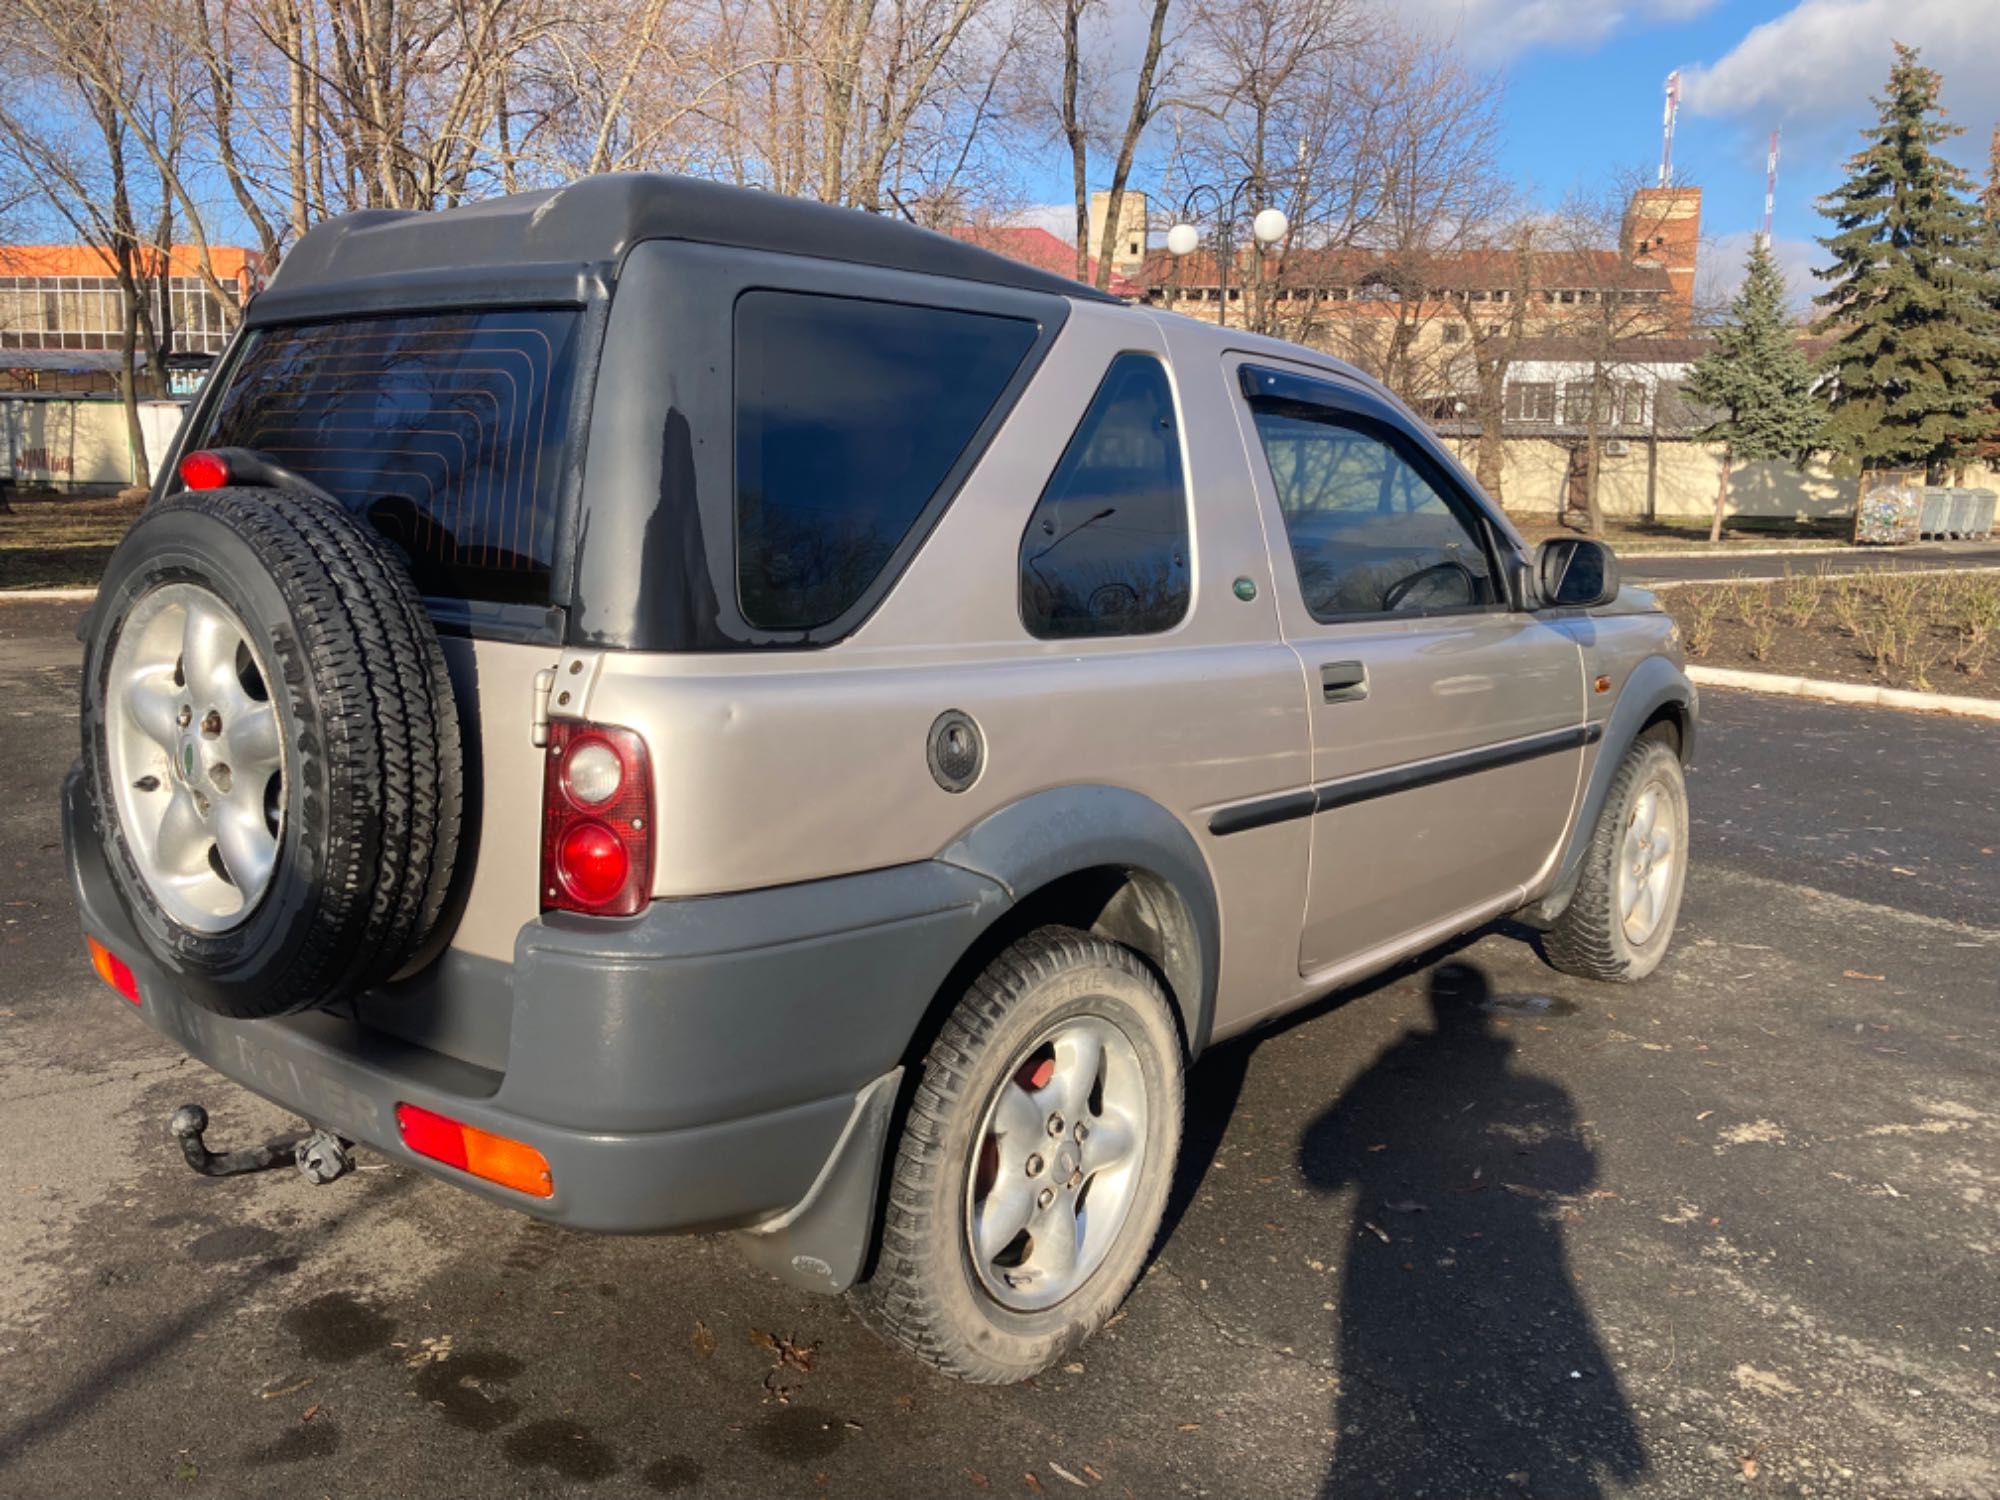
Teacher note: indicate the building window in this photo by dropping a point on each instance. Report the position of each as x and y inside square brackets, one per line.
[1454, 333]
[1531, 401]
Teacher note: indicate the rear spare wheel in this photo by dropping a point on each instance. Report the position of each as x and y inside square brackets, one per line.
[272, 748]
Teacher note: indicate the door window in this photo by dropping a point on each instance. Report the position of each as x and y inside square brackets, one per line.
[1373, 527]
[1106, 551]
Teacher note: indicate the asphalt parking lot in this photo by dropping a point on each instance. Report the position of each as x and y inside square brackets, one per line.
[1473, 1230]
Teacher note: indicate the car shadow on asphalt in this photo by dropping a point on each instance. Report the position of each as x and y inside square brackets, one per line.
[1463, 1346]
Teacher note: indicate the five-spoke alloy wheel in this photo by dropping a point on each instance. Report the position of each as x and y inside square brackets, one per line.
[1060, 1155]
[1620, 919]
[1032, 1166]
[197, 756]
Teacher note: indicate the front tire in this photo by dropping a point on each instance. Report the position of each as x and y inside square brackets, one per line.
[1032, 1170]
[1620, 922]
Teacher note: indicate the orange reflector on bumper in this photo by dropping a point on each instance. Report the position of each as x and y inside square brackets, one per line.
[112, 970]
[479, 1152]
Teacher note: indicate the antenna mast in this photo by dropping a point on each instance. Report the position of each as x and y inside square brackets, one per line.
[1673, 109]
[1770, 187]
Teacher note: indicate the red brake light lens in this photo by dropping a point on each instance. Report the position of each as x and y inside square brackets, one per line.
[203, 470]
[591, 864]
[597, 821]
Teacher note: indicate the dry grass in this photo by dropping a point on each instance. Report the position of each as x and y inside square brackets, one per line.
[56, 541]
[1637, 537]
[1936, 632]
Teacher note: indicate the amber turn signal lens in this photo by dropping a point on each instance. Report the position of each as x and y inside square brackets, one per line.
[479, 1152]
[113, 970]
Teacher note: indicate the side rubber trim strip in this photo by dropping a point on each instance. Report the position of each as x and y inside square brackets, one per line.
[1348, 790]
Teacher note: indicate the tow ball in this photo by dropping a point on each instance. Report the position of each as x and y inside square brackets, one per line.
[320, 1155]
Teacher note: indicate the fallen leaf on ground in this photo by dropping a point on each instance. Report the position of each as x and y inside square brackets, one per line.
[1189, 1427]
[979, 1480]
[1749, 1465]
[309, 1413]
[288, 1390]
[1061, 1473]
[1857, 974]
[1095, 1477]
[1033, 1483]
[703, 1339]
[1377, 1231]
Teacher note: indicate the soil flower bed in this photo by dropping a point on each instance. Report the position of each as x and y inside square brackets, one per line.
[1928, 632]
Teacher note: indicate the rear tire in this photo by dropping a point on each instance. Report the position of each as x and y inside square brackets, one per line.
[1620, 922]
[1018, 1048]
[366, 811]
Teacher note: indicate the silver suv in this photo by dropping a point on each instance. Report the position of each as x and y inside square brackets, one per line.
[678, 709]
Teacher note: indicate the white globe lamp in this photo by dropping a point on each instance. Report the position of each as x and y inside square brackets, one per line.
[1183, 239]
[1269, 226]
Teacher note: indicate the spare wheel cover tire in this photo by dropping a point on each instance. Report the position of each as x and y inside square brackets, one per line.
[273, 749]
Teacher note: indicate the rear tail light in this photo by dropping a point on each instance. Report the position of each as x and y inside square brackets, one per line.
[512, 1164]
[597, 821]
[203, 470]
[113, 970]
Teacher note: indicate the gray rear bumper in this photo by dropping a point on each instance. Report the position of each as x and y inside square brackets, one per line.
[690, 1068]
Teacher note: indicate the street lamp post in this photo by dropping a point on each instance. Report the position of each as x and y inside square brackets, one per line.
[1267, 227]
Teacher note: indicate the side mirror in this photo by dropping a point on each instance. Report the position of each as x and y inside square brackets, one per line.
[1574, 572]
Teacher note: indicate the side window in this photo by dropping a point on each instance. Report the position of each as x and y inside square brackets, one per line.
[850, 415]
[1369, 532]
[1106, 550]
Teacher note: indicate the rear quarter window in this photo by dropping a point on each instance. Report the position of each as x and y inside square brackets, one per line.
[850, 416]
[445, 431]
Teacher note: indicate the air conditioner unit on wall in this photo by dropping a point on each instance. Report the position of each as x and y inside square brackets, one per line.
[1616, 448]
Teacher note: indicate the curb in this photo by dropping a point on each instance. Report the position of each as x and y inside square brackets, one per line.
[1809, 550]
[1738, 578]
[1780, 685]
[49, 596]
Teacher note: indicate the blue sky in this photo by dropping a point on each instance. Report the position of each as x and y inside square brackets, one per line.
[1583, 95]
[1748, 67]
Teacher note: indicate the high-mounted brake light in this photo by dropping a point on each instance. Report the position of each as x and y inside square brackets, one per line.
[512, 1164]
[597, 821]
[203, 470]
[113, 970]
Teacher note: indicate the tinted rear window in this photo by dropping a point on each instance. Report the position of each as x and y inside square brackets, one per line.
[850, 416]
[444, 430]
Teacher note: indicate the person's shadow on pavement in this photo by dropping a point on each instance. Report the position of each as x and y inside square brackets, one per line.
[1468, 1365]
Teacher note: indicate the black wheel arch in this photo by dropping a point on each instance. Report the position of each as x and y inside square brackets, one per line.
[1110, 860]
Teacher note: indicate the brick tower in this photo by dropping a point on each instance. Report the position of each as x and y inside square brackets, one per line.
[1663, 228]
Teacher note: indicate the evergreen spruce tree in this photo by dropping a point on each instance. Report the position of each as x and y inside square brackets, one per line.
[1911, 302]
[1756, 380]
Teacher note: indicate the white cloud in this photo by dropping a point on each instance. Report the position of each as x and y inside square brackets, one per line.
[1819, 62]
[1059, 219]
[1722, 261]
[1492, 31]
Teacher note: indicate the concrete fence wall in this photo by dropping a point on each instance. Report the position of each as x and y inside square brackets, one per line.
[1680, 480]
[81, 444]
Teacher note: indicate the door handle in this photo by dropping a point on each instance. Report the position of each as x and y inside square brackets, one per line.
[1343, 681]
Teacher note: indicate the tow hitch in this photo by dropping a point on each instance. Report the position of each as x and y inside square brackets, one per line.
[320, 1155]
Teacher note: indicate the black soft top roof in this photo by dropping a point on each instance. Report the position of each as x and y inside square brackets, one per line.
[590, 224]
